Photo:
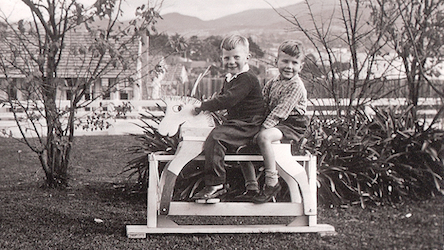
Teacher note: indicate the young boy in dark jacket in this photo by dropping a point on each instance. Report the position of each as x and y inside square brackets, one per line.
[241, 96]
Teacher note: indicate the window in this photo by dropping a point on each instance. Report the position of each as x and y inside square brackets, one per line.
[106, 95]
[12, 92]
[88, 94]
[69, 94]
[124, 95]
[70, 82]
[106, 88]
[125, 89]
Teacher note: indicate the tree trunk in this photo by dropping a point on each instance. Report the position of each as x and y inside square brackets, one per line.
[55, 157]
[56, 164]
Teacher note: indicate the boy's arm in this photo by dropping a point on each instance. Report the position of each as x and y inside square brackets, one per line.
[231, 96]
[287, 102]
[266, 90]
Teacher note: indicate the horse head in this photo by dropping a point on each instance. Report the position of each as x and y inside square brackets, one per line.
[180, 113]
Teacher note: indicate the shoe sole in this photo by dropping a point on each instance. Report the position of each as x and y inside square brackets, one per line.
[273, 197]
[213, 196]
[208, 201]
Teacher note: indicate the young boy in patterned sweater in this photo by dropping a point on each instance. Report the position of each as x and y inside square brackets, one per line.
[286, 104]
[241, 96]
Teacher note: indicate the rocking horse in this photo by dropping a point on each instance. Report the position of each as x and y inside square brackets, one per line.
[301, 182]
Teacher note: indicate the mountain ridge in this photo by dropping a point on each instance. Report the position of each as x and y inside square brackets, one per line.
[262, 20]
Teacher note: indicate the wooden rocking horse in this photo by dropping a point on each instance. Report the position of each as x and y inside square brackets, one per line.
[194, 129]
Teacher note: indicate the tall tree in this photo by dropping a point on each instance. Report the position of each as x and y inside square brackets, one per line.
[345, 50]
[415, 30]
[42, 51]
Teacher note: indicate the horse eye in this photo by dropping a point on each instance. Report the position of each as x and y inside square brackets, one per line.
[177, 108]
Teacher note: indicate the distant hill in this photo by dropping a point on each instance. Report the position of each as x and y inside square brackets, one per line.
[267, 27]
[177, 23]
[250, 21]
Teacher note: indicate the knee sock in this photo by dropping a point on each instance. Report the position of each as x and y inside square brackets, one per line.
[271, 178]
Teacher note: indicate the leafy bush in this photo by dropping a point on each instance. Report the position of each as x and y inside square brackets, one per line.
[378, 160]
[150, 141]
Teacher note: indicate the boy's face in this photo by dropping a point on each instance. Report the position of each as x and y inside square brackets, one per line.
[288, 66]
[234, 60]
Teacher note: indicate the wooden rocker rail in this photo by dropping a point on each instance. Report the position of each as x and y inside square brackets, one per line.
[160, 206]
[294, 174]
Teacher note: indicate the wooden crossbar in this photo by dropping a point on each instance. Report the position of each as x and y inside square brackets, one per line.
[239, 157]
[140, 231]
[237, 209]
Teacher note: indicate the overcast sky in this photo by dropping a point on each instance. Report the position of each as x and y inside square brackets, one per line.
[203, 9]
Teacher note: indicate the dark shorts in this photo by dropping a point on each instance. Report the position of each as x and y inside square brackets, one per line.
[293, 128]
[235, 133]
[226, 137]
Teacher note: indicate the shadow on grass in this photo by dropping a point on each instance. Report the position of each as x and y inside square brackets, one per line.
[110, 192]
[97, 209]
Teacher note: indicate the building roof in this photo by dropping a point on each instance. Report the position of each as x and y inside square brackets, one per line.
[81, 52]
[176, 73]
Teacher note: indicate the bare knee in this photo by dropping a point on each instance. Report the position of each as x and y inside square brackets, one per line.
[264, 138]
[269, 136]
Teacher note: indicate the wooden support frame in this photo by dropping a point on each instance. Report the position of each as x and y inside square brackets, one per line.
[158, 221]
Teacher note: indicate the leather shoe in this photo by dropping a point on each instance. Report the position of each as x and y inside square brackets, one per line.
[267, 193]
[209, 192]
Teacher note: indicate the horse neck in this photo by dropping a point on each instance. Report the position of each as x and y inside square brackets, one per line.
[197, 129]
[202, 120]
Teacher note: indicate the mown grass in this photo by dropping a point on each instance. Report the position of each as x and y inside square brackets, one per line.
[93, 212]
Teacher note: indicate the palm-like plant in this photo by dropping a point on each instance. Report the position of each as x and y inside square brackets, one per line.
[378, 159]
[150, 141]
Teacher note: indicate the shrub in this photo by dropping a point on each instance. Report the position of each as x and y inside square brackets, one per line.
[150, 141]
[378, 160]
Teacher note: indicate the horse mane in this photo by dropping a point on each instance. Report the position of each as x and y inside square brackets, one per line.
[184, 99]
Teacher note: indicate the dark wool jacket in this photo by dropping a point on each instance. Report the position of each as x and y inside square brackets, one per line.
[241, 97]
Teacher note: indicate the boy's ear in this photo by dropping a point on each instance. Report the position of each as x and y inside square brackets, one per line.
[276, 61]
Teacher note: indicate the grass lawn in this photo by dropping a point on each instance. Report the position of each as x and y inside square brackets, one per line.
[93, 212]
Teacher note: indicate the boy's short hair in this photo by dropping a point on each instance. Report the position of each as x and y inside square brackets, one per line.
[230, 42]
[293, 48]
